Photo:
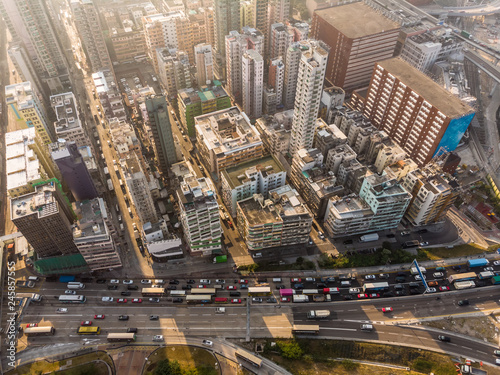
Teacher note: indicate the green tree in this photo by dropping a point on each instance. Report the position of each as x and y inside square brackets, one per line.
[291, 350]
[299, 260]
[166, 367]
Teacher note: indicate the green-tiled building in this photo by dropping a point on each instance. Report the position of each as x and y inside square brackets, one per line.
[194, 103]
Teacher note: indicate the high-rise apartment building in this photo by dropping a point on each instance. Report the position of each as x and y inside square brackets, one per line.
[358, 36]
[252, 74]
[247, 13]
[87, 23]
[226, 19]
[292, 59]
[260, 15]
[199, 214]
[92, 235]
[68, 125]
[73, 170]
[127, 44]
[28, 110]
[159, 121]
[204, 63]
[278, 11]
[276, 78]
[416, 112]
[280, 38]
[174, 70]
[45, 218]
[312, 67]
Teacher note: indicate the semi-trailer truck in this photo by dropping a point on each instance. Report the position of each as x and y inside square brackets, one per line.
[318, 314]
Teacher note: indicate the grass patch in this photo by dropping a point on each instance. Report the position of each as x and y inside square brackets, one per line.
[456, 251]
[319, 357]
[98, 368]
[191, 360]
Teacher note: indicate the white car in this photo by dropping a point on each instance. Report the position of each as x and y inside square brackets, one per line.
[418, 278]
[496, 263]
[354, 291]
[107, 299]
[370, 277]
[424, 244]
[220, 281]
[158, 338]
[207, 343]
[431, 290]
[70, 291]
[128, 282]
[62, 310]
[144, 281]
[114, 281]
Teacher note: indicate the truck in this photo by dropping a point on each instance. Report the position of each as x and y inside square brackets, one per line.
[369, 237]
[220, 259]
[472, 263]
[66, 279]
[465, 34]
[106, 171]
[300, 298]
[110, 184]
[318, 314]
[495, 280]
[467, 369]
[486, 275]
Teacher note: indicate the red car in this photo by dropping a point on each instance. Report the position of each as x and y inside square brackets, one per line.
[242, 281]
[136, 300]
[232, 287]
[87, 323]
[31, 325]
[444, 288]
[361, 296]
[202, 286]
[99, 316]
[285, 299]
[386, 309]
[236, 300]
[374, 295]
[121, 300]
[296, 280]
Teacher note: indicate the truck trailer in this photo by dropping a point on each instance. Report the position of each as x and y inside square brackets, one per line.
[318, 314]
[471, 263]
[300, 298]
[369, 237]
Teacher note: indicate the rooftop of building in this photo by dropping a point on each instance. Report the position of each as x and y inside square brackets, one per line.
[254, 55]
[351, 206]
[238, 175]
[385, 188]
[197, 193]
[20, 93]
[356, 20]
[182, 170]
[22, 164]
[67, 115]
[284, 204]
[42, 202]
[432, 92]
[104, 81]
[226, 131]
[91, 215]
[304, 156]
[204, 94]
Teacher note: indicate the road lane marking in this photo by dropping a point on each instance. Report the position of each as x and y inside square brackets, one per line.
[339, 329]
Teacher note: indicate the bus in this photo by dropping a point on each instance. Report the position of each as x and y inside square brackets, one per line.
[210, 291]
[153, 292]
[121, 337]
[220, 300]
[199, 298]
[39, 331]
[302, 329]
[459, 285]
[375, 287]
[34, 297]
[253, 360]
[178, 293]
[259, 291]
[88, 330]
[462, 277]
[72, 299]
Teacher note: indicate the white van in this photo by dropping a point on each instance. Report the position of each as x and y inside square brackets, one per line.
[367, 327]
[345, 283]
[276, 279]
[257, 255]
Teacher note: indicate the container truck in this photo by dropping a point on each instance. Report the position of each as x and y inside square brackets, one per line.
[66, 279]
[220, 259]
[318, 314]
[299, 298]
[369, 237]
[495, 280]
[110, 184]
[471, 263]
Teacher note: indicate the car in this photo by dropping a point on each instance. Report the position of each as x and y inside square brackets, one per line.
[177, 300]
[405, 233]
[321, 236]
[114, 281]
[432, 283]
[400, 293]
[243, 286]
[296, 280]
[330, 279]
[154, 300]
[496, 263]
[70, 292]
[127, 282]
[354, 290]
[348, 242]
[231, 287]
[132, 287]
[201, 286]
[112, 287]
[285, 299]
[370, 277]
[386, 309]
[271, 300]
[174, 282]
[257, 299]
[186, 287]
[62, 310]
[236, 300]
[101, 281]
[298, 286]
[361, 296]
[347, 297]
[496, 352]
[310, 279]
[388, 294]
[86, 323]
[100, 316]
[243, 281]
[220, 281]
[431, 290]
[391, 235]
[463, 302]
[123, 317]
[158, 338]
[491, 269]
[172, 287]
[207, 343]
[383, 276]
[438, 275]
[32, 325]
[444, 288]
[154, 317]
[136, 300]
[425, 243]
[422, 231]
[107, 299]
[121, 300]
[497, 362]
[126, 294]
[191, 282]
[374, 295]
[280, 287]
[456, 268]
[444, 338]
[145, 281]
[419, 278]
